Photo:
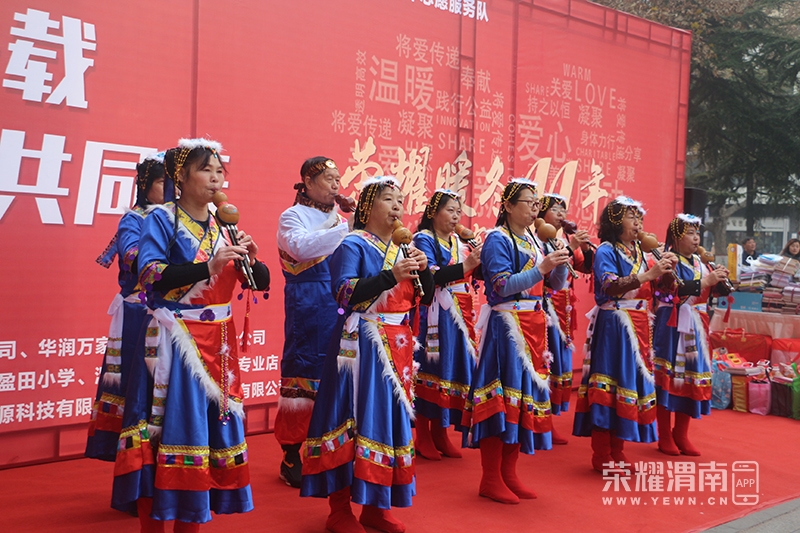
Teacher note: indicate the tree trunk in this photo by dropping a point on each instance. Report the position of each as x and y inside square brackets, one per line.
[749, 200]
[718, 228]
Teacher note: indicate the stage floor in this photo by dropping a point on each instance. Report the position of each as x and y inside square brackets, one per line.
[72, 496]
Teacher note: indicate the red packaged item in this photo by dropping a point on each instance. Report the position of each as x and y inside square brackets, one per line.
[750, 346]
[785, 351]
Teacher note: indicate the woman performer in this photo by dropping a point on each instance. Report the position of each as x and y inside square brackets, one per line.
[187, 266]
[359, 441]
[128, 313]
[616, 398]
[308, 232]
[446, 334]
[563, 316]
[509, 400]
[682, 357]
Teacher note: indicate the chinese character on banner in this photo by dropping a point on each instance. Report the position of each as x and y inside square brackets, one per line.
[66, 347]
[492, 188]
[103, 173]
[259, 363]
[482, 13]
[6, 414]
[47, 378]
[530, 133]
[272, 362]
[7, 380]
[364, 168]
[25, 411]
[76, 36]
[64, 408]
[272, 388]
[45, 410]
[51, 156]
[552, 145]
[66, 376]
[421, 50]
[26, 380]
[85, 347]
[47, 347]
[259, 336]
[468, 8]
[437, 53]
[454, 176]
[338, 121]
[482, 80]
[467, 77]
[410, 172]
[419, 87]
[83, 406]
[403, 45]
[8, 350]
[386, 88]
[596, 193]
[100, 345]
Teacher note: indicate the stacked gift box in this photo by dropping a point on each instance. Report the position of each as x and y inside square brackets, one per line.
[777, 280]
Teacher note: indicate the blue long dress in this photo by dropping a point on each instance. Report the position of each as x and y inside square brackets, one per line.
[510, 393]
[682, 356]
[128, 313]
[617, 392]
[447, 351]
[360, 432]
[195, 412]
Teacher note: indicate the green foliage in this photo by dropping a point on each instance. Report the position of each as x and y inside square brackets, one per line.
[744, 111]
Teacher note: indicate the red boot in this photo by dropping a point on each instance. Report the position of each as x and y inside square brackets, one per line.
[442, 441]
[601, 449]
[666, 444]
[186, 527]
[149, 525]
[492, 484]
[381, 519]
[423, 442]
[508, 470]
[557, 437]
[342, 519]
[618, 452]
[681, 435]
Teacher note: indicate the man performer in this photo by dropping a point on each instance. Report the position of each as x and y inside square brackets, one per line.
[308, 232]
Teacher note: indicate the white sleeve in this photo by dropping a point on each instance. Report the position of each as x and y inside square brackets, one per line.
[305, 244]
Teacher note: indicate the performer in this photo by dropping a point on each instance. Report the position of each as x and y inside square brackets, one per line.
[446, 333]
[682, 357]
[127, 311]
[308, 232]
[359, 441]
[616, 398]
[509, 400]
[188, 268]
[561, 306]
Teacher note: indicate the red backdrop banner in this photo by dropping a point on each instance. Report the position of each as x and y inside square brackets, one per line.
[589, 102]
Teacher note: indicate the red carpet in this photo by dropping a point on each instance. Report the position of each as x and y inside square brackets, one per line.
[72, 496]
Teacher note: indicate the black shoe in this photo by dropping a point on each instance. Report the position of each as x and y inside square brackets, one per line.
[291, 466]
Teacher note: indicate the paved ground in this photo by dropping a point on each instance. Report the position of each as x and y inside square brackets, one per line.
[784, 518]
